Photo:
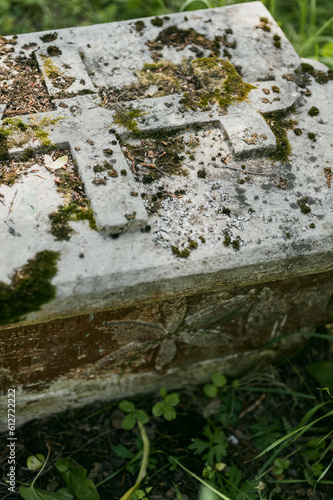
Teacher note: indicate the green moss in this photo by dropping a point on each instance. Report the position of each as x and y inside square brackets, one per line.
[320, 76]
[53, 50]
[264, 24]
[313, 111]
[70, 187]
[126, 116]
[192, 245]
[108, 152]
[27, 155]
[15, 133]
[302, 203]
[211, 80]
[157, 21]
[235, 243]
[279, 124]
[227, 240]
[216, 80]
[113, 172]
[265, 27]
[98, 168]
[59, 78]
[312, 136]
[30, 287]
[297, 131]
[50, 69]
[202, 239]
[202, 173]
[49, 37]
[139, 26]
[180, 253]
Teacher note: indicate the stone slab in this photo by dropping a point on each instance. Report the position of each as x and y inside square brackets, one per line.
[204, 211]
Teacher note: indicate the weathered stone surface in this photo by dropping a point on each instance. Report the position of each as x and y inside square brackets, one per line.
[210, 235]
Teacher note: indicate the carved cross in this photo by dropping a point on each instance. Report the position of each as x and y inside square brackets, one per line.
[88, 129]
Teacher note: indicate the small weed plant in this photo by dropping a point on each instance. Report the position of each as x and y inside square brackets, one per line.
[74, 475]
[249, 439]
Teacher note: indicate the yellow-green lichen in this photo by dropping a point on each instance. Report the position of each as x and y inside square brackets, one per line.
[127, 118]
[15, 133]
[30, 287]
[50, 69]
[202, 82]
[215, 80]
[59, 78]
[168, 77]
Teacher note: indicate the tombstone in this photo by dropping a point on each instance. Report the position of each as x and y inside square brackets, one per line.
[165, 204]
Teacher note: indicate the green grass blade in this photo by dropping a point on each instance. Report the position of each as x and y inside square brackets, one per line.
[218, 493]
[188, 2]
[311, 412]
[315, 36]
[299, 431]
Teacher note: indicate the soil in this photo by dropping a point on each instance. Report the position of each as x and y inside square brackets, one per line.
[264, 407]
[22, 86]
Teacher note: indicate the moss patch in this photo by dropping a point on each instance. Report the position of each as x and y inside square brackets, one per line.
[230, 241]
[49, 37]
[202, 82]
[59, 79]
[30, 287]
[15, 133]
[303, 205]
[183, 254]
[279, 124]
[313, 111]
[320, 76]
[76, 205]
[126, 117]
[172, 78]
[215, 80]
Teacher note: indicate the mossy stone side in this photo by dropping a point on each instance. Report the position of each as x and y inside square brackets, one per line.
[30, 287]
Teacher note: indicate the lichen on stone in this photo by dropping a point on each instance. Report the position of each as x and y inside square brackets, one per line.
[15, 133]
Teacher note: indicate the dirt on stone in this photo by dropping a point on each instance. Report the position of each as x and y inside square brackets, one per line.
[22, 88]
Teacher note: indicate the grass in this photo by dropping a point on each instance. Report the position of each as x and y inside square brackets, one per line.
[262, 437]
[307, 23]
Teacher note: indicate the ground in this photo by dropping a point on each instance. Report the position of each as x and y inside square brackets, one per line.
[240, 421]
